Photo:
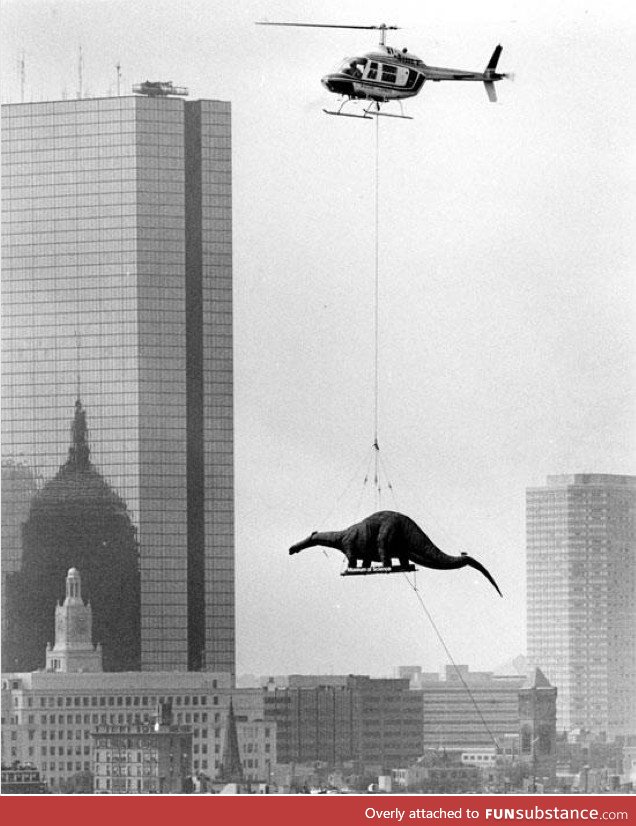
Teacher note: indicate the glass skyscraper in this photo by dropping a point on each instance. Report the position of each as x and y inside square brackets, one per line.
[581, 565]
[117, 289]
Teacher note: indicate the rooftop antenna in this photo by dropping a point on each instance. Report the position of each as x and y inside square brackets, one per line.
[80, 72]
[118, 67]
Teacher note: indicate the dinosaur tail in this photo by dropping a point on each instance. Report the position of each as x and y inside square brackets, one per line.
[479, 567]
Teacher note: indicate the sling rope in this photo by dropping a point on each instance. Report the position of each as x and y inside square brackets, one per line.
[376, 312]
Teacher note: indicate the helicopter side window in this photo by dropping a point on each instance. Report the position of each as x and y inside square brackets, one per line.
[346, 67]
[373, 71]
[389, 74]
[411, 79]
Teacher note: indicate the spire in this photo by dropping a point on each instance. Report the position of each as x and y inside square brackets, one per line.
[73, 587]
[231, 770]
[79, 451]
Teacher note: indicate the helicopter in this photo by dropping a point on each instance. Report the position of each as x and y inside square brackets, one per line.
[390, 74]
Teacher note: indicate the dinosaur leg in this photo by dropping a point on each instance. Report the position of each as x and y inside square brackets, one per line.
[349, 551]
[384, 544]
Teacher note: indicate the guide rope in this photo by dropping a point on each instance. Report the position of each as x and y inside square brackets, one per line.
[414, 588]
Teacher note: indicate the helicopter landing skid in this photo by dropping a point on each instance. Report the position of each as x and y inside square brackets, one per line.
[372, 111]
[376, 113]
[387, 115]
[345, 114]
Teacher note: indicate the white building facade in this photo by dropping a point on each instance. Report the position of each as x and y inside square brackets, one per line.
[48, 718]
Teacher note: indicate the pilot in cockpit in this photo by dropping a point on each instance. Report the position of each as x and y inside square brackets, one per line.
[354, 67]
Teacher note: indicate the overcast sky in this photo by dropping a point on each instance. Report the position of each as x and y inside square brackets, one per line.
[506, 294]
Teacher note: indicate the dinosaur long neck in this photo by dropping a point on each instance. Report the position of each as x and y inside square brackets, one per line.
[328, 539]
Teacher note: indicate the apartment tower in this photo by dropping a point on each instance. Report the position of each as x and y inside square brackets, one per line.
[581, 566]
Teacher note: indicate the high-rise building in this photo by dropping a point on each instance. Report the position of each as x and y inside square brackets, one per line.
[581, 565]
[117, 288]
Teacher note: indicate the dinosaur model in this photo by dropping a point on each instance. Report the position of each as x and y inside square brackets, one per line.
[388, 535]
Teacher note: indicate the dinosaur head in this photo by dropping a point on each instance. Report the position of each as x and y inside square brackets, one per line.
[300, 546]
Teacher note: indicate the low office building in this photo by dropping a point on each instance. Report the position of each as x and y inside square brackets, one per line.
[143, 759]
[49, 717]
[474, 710]
[19, 779]
[332, 720]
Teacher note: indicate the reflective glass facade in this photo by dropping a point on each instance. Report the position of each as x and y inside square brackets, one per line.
[117, 283]
[581, 566]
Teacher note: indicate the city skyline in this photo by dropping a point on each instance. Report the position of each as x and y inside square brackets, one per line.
[506, 338]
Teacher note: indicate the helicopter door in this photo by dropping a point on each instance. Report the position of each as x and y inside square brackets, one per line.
[402, 76]
[372, 73]
[389, 73]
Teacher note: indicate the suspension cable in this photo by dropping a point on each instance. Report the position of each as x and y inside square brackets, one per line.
[376, 311]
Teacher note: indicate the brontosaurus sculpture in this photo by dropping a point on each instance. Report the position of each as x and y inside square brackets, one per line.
[387, 535]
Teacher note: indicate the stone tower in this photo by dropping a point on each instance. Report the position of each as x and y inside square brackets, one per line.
[537, 730]
[73, 649]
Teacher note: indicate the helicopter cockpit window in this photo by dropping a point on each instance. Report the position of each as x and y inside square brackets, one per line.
[373, 71]
[353, 67]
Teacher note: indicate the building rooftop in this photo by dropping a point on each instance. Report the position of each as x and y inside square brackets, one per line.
[590, 479]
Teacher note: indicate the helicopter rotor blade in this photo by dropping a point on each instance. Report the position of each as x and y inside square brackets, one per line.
[382, 26]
